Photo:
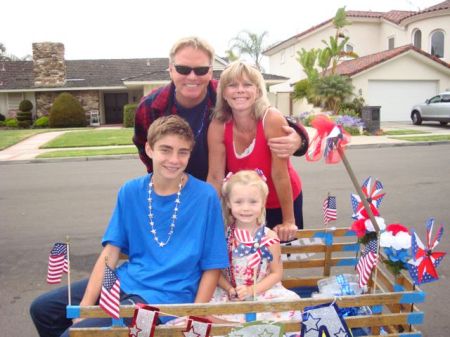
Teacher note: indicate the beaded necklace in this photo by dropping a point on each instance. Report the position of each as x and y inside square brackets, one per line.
[173, 218]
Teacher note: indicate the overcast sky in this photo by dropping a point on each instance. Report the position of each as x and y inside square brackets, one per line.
[92, 29]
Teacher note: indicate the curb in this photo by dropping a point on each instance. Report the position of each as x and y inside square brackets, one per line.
[130, 156]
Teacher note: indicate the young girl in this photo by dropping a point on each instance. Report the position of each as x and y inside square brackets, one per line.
[256, 269]
[238, 139]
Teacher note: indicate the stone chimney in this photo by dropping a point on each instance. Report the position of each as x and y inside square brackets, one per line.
[49, 66]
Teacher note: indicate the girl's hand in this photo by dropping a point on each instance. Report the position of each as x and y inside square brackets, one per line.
[286, 231]
[232, 294]
[244, 291]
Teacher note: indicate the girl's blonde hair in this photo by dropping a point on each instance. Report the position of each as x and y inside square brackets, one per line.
[236, 71]
[246, 178]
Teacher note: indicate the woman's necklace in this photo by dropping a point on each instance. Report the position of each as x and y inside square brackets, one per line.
[151, 216]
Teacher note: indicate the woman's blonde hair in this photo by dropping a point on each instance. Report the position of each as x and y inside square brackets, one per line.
[194, 42]
[237, 70]
[246, 178]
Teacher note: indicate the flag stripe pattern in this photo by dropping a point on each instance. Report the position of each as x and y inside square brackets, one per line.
[329, 209]
[57, 263]
[110, 294]
[367, 262]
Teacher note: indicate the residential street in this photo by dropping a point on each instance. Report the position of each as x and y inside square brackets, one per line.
[41, 203]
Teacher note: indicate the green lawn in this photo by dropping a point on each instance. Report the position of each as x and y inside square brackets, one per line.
[89, 153]
[403, 132]
[11, 137]
[426, 138]
[92, 138]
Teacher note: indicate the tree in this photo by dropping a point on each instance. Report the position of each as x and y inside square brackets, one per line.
[326, 89]
[10, 57]
[250, 44]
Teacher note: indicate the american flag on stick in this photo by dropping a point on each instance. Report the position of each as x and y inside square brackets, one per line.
[110, 294]
[329, 209]
[367, 262]
[57, 263]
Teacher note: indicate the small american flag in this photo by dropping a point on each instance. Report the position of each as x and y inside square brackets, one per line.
[57, 263]
[329, 209]
[110, 294]
[367, 262]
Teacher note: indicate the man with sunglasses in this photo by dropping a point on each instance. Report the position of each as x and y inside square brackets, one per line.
[192, 95]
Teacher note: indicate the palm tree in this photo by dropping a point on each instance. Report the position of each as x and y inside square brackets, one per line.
[10, 57]
[335, 47]
[250, 44]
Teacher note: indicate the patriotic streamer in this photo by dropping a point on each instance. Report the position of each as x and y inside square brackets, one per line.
[255, 329]
[110, 294]
[57, 263]
[422, 267]
[144, 321]
[374, 197]
[197, 327]
[328, 139]
[367, 262]
[257, 248]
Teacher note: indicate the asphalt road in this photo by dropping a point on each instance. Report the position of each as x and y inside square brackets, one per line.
[41, 203]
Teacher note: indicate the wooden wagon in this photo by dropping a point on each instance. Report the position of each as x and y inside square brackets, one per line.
[391, 299]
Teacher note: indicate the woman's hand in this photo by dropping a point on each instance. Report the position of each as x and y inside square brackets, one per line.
[286, 231]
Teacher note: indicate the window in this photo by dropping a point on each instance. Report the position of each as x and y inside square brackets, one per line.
[391, 43]
[435, 99]
[417, 38]
[437, 44]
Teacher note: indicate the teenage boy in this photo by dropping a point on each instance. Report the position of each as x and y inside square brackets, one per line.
[169, 224]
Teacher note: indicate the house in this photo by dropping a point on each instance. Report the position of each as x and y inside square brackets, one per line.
[102, 86]
[403, 58]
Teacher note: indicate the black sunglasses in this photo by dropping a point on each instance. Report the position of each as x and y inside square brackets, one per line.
[185, 70]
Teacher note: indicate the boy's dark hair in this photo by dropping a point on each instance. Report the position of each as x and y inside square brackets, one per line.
[169, 125]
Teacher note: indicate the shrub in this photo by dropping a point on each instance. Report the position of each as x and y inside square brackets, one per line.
[306, 118]
[66, 111]
[129, 111]
[24, 119]
[41, 122]
[353, 125]
[25, 105]
[2, 123]
[2, 117]
[11, 123]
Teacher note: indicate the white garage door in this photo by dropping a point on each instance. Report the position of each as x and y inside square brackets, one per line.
[396, 98]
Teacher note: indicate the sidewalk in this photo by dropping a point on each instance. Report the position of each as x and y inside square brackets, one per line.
[28, 149]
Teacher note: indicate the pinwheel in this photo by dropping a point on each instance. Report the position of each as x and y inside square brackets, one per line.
[373, 195]
[422, 267]
[256, 248]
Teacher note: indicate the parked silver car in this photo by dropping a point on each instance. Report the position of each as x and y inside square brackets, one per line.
[436, 108]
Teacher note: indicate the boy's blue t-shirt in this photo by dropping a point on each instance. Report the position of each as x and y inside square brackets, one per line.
[169, 274]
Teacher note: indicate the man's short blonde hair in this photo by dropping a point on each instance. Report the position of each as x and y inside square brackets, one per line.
[194, 42]
[169, 125]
